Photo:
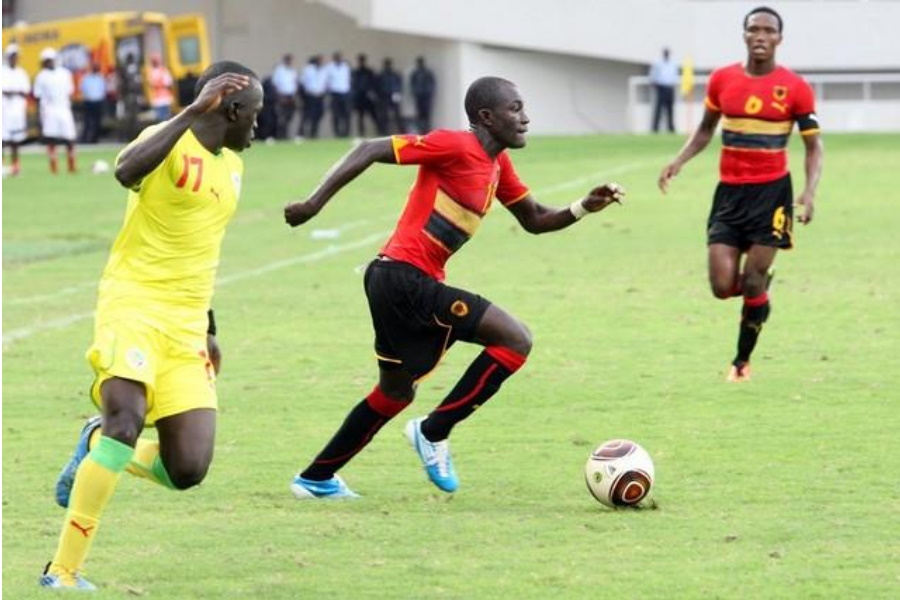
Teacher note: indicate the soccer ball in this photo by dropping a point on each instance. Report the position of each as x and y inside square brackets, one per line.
[619, 473]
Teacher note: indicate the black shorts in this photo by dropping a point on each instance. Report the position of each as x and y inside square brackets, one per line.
[752, 214]
[416, 318]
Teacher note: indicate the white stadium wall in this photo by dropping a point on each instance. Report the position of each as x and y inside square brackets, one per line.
[578, 62]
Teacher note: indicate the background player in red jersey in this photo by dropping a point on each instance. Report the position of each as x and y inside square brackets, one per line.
[752, 213]
[416, 316]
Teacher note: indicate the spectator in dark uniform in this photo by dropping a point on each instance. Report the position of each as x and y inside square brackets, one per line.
[363, 90]
[131, 90]
[267, 120]
[422, 86]
[390, 95]
[93, 93]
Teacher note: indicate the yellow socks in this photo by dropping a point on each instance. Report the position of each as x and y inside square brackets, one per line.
[147, 464]
[94, 485]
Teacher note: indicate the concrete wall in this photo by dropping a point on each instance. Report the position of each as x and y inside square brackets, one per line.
[571, 58]
[563, 94]
[819, 34]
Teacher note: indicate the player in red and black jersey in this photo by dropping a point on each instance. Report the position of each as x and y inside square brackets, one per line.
[416, 316]
[757, 103]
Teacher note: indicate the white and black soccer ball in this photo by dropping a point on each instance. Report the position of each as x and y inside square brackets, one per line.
[619, 473]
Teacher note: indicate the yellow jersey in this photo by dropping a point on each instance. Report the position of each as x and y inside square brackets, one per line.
[162, 265]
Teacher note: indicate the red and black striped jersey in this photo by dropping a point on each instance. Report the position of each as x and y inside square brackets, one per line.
[456, 184]
[758, 114]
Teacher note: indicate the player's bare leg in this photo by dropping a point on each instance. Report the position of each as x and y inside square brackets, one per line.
[51, 156]
[754, 282]
[724, 271]
[507, 342]
[186, 443]
[14, 157]
[124, 406]
[70, 157]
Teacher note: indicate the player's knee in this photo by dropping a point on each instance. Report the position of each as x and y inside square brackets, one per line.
[123, 427]
[520, 339]
[722, 292]
[398, 385]
[754, 283]
[186, 475]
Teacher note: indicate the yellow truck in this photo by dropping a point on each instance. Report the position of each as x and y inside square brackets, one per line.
[108, 38]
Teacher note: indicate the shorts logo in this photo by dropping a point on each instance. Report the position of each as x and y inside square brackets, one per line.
[136, 359]
[459, 308]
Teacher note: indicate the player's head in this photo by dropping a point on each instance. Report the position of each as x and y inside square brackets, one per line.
[762, 33]
[494, 105]
[240, 108]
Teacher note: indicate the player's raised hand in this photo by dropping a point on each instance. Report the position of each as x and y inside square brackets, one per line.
[668, 172]
[216, 89]
[602, 196]
[298, 213]
[807, 203]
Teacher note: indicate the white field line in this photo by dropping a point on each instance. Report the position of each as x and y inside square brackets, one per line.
[78, 287]
[73, 289]
[327, 252]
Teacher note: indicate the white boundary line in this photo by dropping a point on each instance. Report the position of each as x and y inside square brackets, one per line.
[327, 252]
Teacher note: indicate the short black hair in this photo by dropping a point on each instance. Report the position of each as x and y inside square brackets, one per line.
[218, 68]
[768, 11]
[484, 93]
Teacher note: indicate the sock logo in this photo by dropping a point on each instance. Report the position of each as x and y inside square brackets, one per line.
[85, 531]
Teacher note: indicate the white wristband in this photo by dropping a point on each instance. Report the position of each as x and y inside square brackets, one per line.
[578, 210]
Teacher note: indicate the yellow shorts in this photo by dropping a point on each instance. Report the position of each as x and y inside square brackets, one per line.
[177, 374]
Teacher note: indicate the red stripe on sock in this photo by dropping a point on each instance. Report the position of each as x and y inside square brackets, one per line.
[510, 359]
[478, 387]
[756, 300]
[385, 405]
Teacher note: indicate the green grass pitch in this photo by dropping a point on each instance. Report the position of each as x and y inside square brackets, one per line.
[785, 487]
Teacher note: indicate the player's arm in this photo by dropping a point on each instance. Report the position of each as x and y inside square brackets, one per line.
[698, 141]
[538, 218]
[348, 168]
[815, 154]
[141, 158]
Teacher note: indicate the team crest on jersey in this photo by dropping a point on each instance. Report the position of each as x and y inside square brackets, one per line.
[136, 359]
[779, 92]
[459, 308]
[753, 105]
[236, 180]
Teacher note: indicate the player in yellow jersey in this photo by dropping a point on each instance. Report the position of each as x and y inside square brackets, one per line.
[154, 353]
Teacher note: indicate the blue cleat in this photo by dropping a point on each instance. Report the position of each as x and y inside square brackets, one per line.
[331, 489]
[67, 475]
[63, 579]
[435, 456]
